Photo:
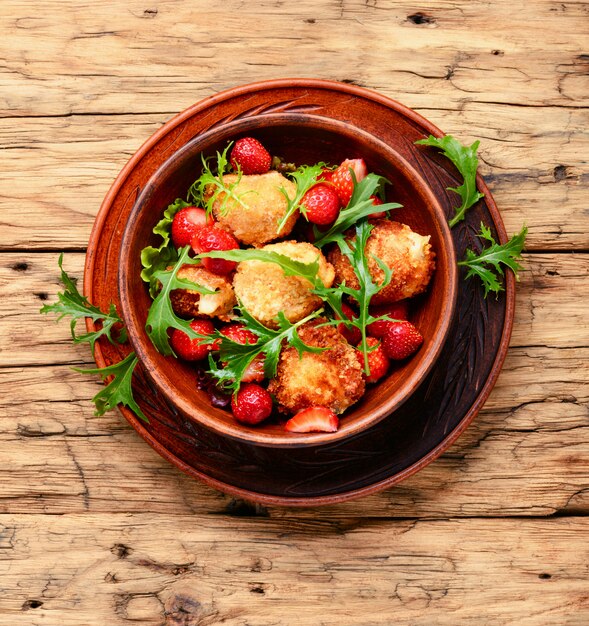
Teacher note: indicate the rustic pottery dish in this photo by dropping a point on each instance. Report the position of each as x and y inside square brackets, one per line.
[437, 412]
[299, 138]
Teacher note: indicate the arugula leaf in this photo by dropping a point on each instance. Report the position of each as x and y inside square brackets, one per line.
[305, 177]
[360, 206]
[161, 315]
[155, 259]
[119, 390]
[466, 161]
[487, 265]
[356, 254]
[236, 357]
[72, 303]
[200, 190]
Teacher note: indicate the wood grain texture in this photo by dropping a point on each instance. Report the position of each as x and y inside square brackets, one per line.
[528, 170]
[96, 528]
[178, 571]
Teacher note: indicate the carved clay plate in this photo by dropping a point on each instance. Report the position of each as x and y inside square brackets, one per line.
[407, 440]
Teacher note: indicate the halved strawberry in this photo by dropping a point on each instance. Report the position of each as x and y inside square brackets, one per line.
[186, 223]
[251, 156]
[209, 238]
[313, 419]
[321, 204]
[396, 311]
[342, 180]
[401, 340]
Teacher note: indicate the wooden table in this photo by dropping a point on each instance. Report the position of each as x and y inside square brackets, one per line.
[96, 528]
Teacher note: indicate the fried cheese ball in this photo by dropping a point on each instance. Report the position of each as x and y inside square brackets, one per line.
[332, 378]
[257, 222]
[191, 303]
[264, 290]
[406, 253]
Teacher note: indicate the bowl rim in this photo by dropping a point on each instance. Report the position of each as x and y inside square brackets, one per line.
[93, 258]
[257, 436]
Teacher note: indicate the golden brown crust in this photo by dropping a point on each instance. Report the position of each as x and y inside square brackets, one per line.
[264, 290]
[256, 223]
[190, 303]
[408, 255]
[332, 378]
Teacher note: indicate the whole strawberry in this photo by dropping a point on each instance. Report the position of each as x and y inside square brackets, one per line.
[252, 404]
[186, 223]
[209, 238]
[240, 334]
[378, 361]
[342, 179]
[313, 419]
[192, 349]
[377, 202]
[321, 204]
[352, 335]
[250, 156]
[401, 340]
[396, 311]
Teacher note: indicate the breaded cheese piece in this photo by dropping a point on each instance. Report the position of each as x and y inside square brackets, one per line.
[408, 255]
[257, 222]
[190, 303]
[264, 290]
[332, 378]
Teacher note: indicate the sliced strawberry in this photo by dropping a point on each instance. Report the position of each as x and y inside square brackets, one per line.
[377, 202]
[192, 349]
[250, 156]
[342, 179]
[401, 340]
[209, 238]
[186, 223]
[252, 404]
[378, 361]
[321, 204]
[396, 311]
[352, 335]
[313, 419]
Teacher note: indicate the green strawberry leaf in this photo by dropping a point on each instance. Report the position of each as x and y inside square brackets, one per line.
[466, 161]
[119, 390]
[488, 264]
[161, 316]
[72, 303]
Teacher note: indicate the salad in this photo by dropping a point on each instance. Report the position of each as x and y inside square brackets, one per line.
[289, 287]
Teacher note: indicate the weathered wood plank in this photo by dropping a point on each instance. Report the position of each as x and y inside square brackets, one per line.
[552, 287]
[176, 53]
[62, 168]
[162, 569]
[526, 454]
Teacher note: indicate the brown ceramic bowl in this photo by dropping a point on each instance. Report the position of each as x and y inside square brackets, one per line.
[300, 138]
